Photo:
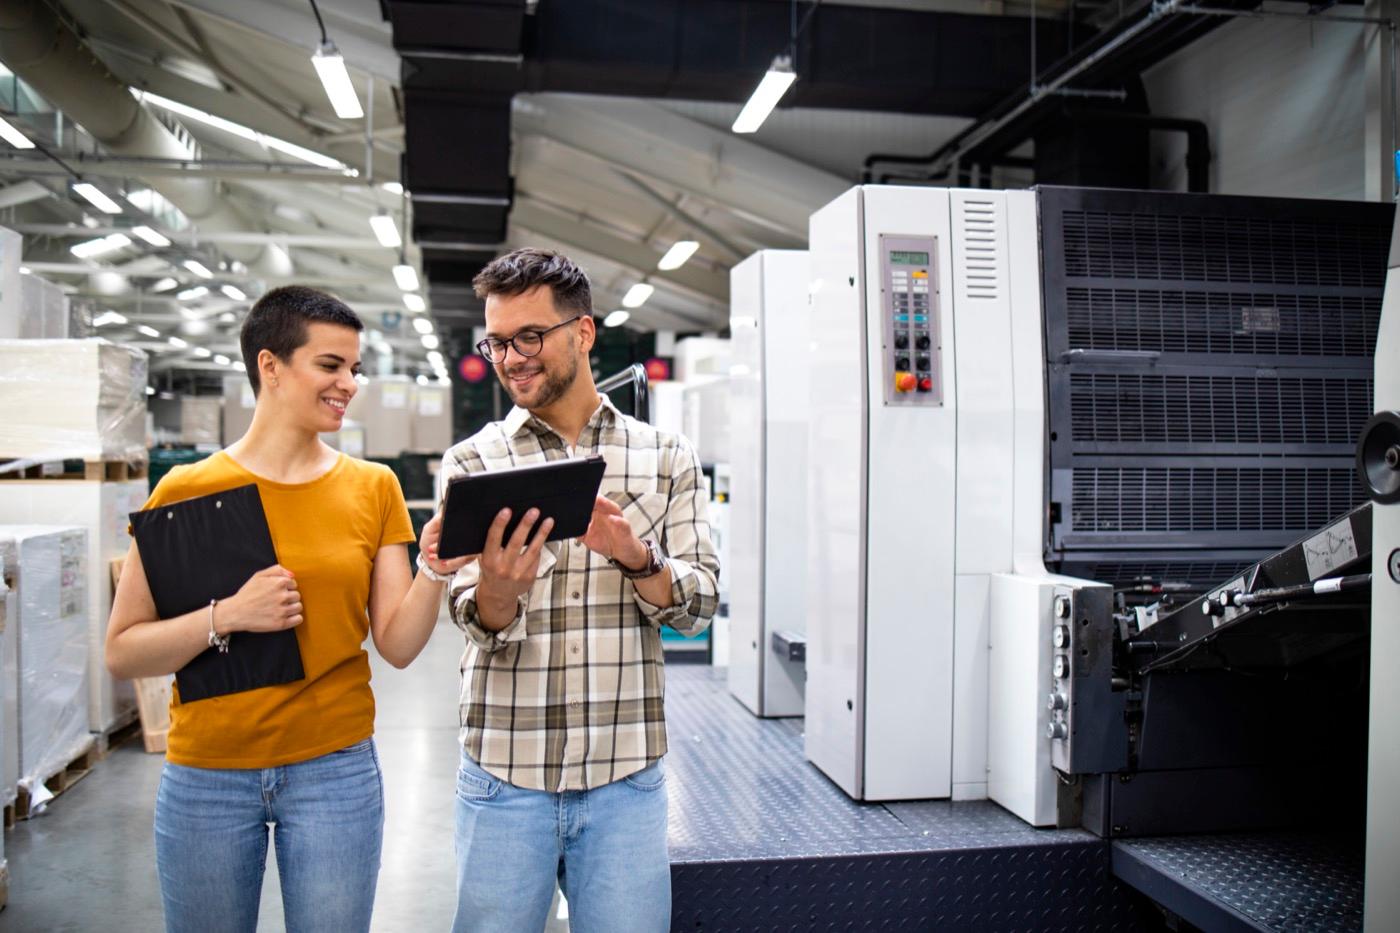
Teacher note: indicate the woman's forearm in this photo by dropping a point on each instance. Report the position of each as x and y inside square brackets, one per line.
[412, 624]
[157, 648]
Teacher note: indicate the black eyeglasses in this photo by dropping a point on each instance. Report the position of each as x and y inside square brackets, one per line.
[526, 343]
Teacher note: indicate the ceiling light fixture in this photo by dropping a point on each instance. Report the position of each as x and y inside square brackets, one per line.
[637, 295]
[392, 187]
[177, 342]
[100, 246]
[95, 196]
[243, 132]
[406, 277]
[198, 268]
[202, 353]
[164, 285]
[617, 318]
[108, 317]
[677, 255]
[765, 97]
[335, 78]
[234, 292]
[221, 359]
[13, 136]
[423, 325]
[151, 235]
[199, 291]
[414, 302]
[386, 231]
[430, 341]
[148, 331]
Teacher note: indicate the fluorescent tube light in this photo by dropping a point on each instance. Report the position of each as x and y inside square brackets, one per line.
[678, 255]
[202, 353]
[13, 136]
[147, 331]
[617, 318]
[423, 325]
[177, 342]
[234, 292]
[108, 317]
[199, 291]
[198, 268]
[765, 97]
[406, 277]
[164, 285]
[392, 187]
[386, 231]
[414, 302]
[151, 235]
[421, 379]
[95, 196]
[90, 248]
[221, 359]
[330, 68]
[430, 341]
[637, 295]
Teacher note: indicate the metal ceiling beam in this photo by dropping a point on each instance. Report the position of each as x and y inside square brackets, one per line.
[192, 237]
[118, 167]
[675, 210]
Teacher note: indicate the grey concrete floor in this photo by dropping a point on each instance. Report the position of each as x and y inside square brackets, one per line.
[88, 864]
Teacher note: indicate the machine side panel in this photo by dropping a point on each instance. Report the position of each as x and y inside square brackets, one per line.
[1019, 776]
[1027, 340]
[786, 370]
[836, 503]
[746, 570]
[1383, 774]
[971, 655]
[910, 536]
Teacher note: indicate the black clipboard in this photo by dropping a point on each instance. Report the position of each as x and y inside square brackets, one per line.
[564, 490]
[207, 548]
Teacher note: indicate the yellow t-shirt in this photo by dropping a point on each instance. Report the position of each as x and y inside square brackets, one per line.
[327, 533]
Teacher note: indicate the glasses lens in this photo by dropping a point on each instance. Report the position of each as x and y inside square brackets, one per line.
[493, 350]
[528, 343]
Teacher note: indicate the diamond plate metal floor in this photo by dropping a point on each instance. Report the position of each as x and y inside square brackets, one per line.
[1250, 881]
[762, 841]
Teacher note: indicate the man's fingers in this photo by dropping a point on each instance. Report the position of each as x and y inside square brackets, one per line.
[496, 534]
[606, 506]
[541, 535]
[522, 531]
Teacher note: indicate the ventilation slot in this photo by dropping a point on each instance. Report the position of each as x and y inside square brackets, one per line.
[1247, 250]
[1193, 573]
[1199, 409]
[979, 247]
[1206, 499]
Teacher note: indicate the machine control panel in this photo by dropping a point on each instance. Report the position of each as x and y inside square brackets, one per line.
[911, 349]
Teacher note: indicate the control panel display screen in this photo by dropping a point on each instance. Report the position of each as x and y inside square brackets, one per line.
[906, 258]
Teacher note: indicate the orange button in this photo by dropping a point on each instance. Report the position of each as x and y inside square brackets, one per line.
[905, 382]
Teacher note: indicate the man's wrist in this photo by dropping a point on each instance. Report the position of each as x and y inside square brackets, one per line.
[637, 557]
[496, 610]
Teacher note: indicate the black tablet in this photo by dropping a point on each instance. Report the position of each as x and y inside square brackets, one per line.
[563, 490]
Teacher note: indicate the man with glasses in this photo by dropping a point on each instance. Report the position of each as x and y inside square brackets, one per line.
[562, 722]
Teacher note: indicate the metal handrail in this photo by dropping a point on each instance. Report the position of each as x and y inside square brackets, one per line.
[636, 376]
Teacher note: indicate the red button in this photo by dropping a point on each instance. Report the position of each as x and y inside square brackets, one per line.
[926, 384]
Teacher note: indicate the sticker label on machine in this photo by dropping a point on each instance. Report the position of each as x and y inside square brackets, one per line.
[911, 349]
[1330, 548]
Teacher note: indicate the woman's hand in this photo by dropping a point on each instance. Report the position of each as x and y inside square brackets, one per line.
[428, 546]
[268, 602]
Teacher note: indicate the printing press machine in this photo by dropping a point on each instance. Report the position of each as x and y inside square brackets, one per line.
[1110, 562]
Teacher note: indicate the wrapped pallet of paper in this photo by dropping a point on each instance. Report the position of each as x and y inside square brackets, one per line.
[72, 399]
[188, 419]
[44, 310]
[51, 648]
[349, 440]
[239, 403]
[9, 675]
[11, 248]
[101, 509]
[432, 419]
[384, 408]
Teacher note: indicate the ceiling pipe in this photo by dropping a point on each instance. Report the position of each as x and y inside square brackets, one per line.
[47, 54]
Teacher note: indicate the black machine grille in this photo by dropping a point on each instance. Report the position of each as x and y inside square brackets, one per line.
[1175, 499]
[1246, 323]
[1209, 367]
[1149, 407]
[1178, 246]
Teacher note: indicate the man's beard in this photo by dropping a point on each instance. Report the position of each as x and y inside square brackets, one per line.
[552, 388]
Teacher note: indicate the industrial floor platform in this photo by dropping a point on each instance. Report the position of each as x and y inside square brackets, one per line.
[762, 841]
[1249, 881]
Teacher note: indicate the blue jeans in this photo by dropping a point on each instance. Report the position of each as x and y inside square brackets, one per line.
[211, 842]
[606, 847]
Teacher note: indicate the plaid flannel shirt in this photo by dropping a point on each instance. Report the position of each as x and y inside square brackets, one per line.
[569, 695]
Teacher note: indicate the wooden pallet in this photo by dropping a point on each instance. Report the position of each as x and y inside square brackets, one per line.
[4, 884]
[104, 471]
[9, 816]
[59, 782]
[126, 728]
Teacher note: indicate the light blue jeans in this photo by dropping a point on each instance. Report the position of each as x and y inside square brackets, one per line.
[606, 847]
[211, 842]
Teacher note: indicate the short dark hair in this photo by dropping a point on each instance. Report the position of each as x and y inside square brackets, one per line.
[277, 323]
[521, 270]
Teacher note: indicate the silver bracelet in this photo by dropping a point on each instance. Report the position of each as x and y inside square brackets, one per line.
[215, 639]
[432, 574]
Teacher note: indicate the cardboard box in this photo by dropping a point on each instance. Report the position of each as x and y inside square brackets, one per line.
[101, 510]
[384, 408]
[72, 399]
[432, 419]
[188, 419]
[239, 403]
[50, 579]
[43, 310]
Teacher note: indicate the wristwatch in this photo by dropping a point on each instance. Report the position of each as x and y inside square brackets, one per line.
[655, 562]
